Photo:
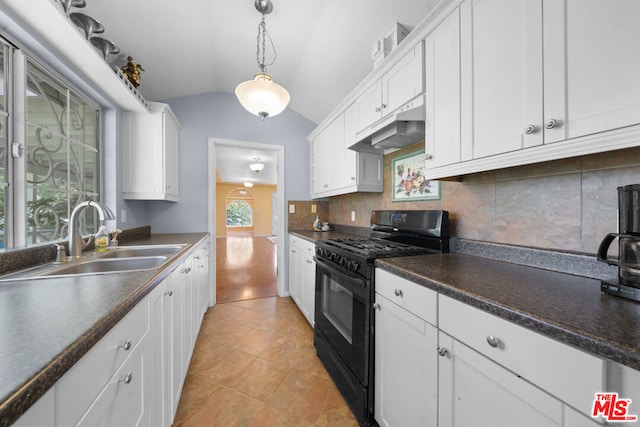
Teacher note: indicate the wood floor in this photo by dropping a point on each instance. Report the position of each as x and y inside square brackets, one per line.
[254, 364]
[246, 267]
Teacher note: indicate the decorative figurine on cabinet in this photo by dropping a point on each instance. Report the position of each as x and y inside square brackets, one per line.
[132, 71]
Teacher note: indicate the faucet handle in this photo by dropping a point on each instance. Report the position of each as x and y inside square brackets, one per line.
[61, 253]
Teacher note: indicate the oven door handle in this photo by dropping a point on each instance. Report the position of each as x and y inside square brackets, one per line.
[363, 283]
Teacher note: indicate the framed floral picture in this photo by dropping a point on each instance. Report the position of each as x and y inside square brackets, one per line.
[408, 179]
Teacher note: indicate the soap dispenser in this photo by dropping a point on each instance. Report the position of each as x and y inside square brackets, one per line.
[101, 240]
[317, 225]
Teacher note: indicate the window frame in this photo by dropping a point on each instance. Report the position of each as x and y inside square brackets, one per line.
[16, 216]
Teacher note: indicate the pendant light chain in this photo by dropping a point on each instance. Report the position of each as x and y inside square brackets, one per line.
[263, 34]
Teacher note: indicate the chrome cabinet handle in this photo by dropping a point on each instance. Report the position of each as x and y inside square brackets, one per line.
[428, 156]
[127, 378]
[551, 124]
[169, 293]
[309, 262]
[378, 109]
[398, 292]
[353, 178]
[442, 351]
[384, 106]
[493, 341]
[530, 130]
[126, 346]
[377, 306]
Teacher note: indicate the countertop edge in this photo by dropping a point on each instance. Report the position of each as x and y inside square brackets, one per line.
[19, 401]
[578, 339]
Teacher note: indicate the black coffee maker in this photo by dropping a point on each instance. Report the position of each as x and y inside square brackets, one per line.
[628, 261]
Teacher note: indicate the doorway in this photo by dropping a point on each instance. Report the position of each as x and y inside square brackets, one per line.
[218, 148]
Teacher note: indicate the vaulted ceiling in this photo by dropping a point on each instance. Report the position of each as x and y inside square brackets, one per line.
[196, 46]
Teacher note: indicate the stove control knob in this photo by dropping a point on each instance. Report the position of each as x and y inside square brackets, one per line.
[353, 266]
[332, 257]
[318, 251]
[342, 261]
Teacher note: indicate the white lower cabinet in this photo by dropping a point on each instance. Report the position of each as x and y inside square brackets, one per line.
[302, 276]
[474, 391]
[134, 375]
[406, 362]
[441, 362]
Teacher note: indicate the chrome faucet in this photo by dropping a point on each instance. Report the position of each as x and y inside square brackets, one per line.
[76, 243]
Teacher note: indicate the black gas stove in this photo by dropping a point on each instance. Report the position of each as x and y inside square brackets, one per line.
[344, 323]
[358, 255]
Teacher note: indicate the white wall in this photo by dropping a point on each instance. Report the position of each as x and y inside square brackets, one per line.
[220, 115]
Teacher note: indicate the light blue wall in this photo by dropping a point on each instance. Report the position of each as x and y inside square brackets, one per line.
[221, 115]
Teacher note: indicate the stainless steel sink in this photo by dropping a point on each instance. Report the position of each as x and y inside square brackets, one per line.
[108, 265]
[142, 251]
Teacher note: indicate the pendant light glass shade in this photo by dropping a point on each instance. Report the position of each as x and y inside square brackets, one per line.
[262, 97]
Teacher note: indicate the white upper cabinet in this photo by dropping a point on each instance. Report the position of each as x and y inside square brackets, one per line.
[501, 75]
[327, 158]
[403, 82]
[591, 68]
[539, 80]
[442, 72]
[337, 170]
[150, 154]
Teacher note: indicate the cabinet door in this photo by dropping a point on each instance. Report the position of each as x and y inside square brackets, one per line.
[592, 56]
[442, 125]
[125, 401]
[294, 267]
[369, 106]
[406, 368]
[171, 155]
[328, 158]
[308, 277]
[173, 321]
[474, 391]
[404, 81]
[501, 72]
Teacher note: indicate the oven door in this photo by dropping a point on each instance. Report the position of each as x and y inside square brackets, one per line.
[343, 317]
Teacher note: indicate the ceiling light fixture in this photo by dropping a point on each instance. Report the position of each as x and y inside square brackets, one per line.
[248, 184]
[261, 96]
[257, 166]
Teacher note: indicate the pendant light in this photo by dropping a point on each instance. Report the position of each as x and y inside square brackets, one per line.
[257, 166]
[261, 96]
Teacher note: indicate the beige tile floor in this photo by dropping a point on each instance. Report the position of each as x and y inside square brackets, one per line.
[254, 364]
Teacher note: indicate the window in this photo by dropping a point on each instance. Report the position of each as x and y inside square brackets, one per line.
[239, 214]
[51, 134]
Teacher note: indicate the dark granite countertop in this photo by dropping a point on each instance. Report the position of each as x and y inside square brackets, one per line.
[569, 308]
[48, 324]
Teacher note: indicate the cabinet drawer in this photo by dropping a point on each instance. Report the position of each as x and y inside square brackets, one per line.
[302, 245]
[122, 401]
[81, 384]
[567, 373]
[414, 298]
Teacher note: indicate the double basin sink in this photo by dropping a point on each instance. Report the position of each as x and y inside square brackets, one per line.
[115, 260]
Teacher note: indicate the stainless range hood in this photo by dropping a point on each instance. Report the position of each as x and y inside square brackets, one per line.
[403, 127]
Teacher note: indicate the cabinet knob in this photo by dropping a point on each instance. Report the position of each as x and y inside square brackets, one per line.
[127, 378]
[398, 292]
[353, 178]
[377, 306]
[126, 346]
[493, 341]
[384, 106]
[551, 124]
[308, 262]
[442, 351]
[428, 156]
[169, 293]
[326, 185]
[378, 109]
[530, 130]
